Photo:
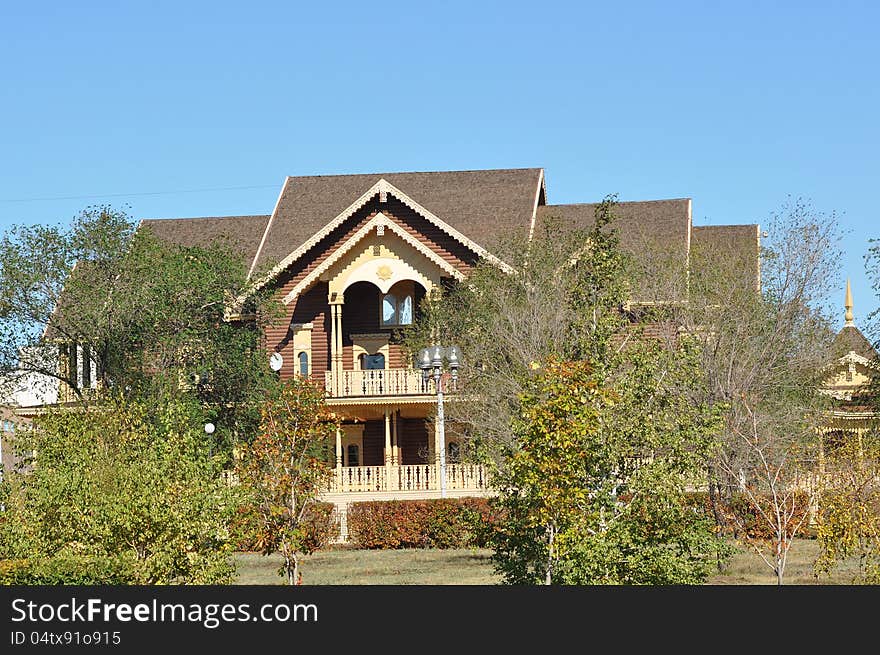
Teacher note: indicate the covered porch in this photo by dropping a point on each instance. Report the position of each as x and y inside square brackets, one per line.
[395, 450]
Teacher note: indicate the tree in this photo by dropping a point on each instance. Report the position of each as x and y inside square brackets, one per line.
[131, 483]
[767, 339]
[287, 466]
[595, 490]
[849, 510]
[577, 413]
[152, 316]
[36, 264]
[560, 297]
[776, 493]
[848, 523]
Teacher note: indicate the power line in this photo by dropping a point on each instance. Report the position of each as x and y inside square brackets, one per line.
[143, 193]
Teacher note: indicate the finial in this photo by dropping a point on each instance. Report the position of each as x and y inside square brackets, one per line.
[848, 304]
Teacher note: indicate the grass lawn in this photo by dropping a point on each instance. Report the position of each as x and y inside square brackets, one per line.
[473, 567]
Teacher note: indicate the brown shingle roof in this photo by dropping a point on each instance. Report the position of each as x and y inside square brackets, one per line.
[663, 221]
[243, 232]
[652, 227]
[480, 204]
[850, 338]
[721, 254]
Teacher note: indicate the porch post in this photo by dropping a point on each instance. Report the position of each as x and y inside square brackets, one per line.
[395, 441]
[338, 470]
[388, 456]
[332, 348]
[336, 302]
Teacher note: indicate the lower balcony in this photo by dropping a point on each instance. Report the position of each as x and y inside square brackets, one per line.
[409, 478]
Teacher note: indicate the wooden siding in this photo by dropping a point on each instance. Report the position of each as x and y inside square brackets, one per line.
[413, 436]
[374, 443]
[311, 307]
[361, 309]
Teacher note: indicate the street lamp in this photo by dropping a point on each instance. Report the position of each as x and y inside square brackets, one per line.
[431, 362]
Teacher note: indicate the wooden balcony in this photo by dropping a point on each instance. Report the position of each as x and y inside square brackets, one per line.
[383, 382]
[411, 477]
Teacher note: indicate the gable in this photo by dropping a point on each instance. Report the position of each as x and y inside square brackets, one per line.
[439, 248]
[851, 375]
[382, 252]
[480, 205]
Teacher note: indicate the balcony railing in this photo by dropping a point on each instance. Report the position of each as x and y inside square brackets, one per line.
[410, 477]
[382, 382]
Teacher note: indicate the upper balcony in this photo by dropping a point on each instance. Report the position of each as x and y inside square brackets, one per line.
[383, 383]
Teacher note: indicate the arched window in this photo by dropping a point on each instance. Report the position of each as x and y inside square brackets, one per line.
[389, 309]
[353, 455]
[304, 364]
[405, 313]
[397, 308]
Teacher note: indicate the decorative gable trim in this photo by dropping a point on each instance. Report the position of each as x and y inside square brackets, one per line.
[382, 188]
[379, 221]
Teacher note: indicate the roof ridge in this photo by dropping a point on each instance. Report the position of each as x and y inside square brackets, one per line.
[584, 204]
[198, 218]
[381, 173]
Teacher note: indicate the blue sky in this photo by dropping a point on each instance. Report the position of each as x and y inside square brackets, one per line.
[200, 109]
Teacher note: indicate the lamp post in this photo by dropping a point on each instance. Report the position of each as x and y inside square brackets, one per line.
[431, 362]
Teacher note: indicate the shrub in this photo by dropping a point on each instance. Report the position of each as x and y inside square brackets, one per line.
[68, 569]
[319, 522]
[437, 523]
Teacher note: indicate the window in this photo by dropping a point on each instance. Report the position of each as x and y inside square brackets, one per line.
[304, 364]
[453, 452]
[353, 455]
[397, 309]
[389, 309]
[372, 362]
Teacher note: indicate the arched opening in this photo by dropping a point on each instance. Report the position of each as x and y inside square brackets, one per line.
[398, 305]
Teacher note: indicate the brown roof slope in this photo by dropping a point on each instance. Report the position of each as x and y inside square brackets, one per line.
[243, 232]
[480, 204]
[724, 258]
[851, 338]
[649, 230]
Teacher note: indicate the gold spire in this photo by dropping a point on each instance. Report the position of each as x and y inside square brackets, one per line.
[848, 304]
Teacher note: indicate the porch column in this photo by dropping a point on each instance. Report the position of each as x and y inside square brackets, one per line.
[338, 457]
[336, 302]
[387, 438]
[395, 441]
[390, 472]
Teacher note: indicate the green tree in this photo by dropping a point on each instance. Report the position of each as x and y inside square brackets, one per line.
[595, 490]
[558, 296]
[576, 447]
[287, 467]
[129, 482]
[848, 524]
[153, 316]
